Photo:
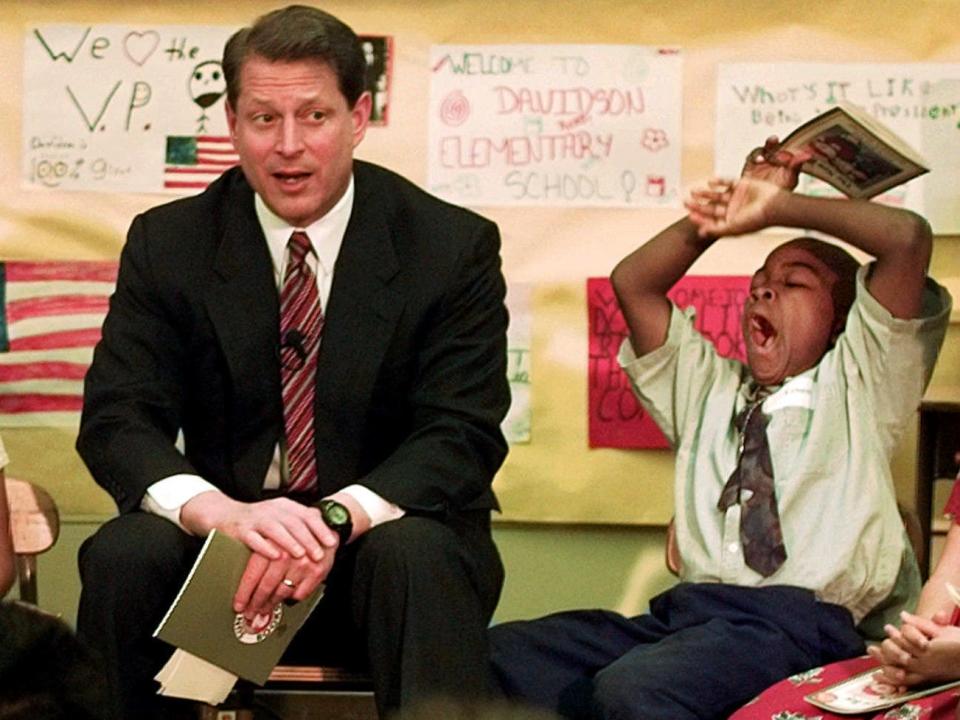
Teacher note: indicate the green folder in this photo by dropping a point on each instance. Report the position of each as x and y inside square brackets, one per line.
[202, 622]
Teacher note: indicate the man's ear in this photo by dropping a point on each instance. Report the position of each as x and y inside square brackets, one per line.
[360, 115]
[231, 119]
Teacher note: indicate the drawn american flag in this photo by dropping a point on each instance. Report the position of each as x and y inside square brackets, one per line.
[52, 313]
[194, 161]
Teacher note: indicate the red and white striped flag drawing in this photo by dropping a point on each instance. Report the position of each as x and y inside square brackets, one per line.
[52, 314]
[193, 162]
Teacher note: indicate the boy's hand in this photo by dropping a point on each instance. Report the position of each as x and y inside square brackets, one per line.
[728, 208]
[725, 207]
[774, 165]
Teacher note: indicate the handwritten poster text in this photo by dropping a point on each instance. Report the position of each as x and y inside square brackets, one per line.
[920, 102]
[574, 125]
[617, 419]
[136, 108]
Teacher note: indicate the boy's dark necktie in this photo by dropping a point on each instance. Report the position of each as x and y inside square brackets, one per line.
[301, 323]
[760, 533]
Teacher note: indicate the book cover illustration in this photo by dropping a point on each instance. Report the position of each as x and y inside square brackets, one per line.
[855, 153]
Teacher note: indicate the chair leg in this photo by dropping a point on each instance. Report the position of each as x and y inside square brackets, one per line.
[27, 578]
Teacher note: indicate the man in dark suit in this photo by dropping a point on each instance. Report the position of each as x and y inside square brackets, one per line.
[410, 387]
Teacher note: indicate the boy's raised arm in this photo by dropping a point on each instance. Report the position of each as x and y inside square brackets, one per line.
[641, 280]
[899, 239]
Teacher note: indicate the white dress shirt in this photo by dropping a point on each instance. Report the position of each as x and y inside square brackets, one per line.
[166, 497]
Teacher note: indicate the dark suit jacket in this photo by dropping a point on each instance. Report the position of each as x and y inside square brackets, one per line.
[411, 382]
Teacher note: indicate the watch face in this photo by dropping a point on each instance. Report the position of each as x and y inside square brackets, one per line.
[336, 514]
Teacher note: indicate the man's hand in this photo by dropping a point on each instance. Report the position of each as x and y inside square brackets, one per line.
[266, 582]
[270, 528]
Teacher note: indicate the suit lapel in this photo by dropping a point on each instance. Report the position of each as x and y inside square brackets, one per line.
[360, 318]
[243, 307]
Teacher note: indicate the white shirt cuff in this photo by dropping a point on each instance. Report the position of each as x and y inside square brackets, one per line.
[379, 510]
[166, 497]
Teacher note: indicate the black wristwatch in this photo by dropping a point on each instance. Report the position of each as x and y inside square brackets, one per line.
[337, 518]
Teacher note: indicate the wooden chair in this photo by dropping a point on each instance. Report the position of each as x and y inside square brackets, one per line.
[309, 691]
[35, 527]
[299, 692]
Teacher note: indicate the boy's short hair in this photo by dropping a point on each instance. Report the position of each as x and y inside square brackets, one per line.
[46, 673]
[844, 265]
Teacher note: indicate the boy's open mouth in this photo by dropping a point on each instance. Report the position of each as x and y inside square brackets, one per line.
[761, 331]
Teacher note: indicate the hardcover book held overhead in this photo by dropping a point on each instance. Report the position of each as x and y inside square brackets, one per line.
[201, 620]
[854, 152]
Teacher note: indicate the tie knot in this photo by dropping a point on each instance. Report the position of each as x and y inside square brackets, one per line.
[752, 411]
[299, 245]
[759, 393]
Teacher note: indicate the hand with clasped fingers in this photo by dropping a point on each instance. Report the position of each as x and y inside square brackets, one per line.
[921, 650]
[734, 207]
[772, 164]
[292, 548]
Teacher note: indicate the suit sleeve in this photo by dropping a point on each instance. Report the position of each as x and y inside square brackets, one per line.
[132, 393]
[461, 394]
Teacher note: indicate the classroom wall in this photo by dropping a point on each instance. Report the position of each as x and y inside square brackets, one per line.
[580, 527]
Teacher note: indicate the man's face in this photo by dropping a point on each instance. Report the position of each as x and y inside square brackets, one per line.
[789, 319]
[295, 135]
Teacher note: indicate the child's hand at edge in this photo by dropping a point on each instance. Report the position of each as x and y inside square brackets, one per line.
[920, 651]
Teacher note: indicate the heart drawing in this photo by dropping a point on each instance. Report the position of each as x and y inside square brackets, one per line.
[139, 46]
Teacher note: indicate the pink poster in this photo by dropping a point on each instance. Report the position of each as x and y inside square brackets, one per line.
[617, 419]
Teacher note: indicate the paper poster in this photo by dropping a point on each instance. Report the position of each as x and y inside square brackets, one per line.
[137, 108]
[617, 419]
[920, 102]
[516, 425]
[558, 125]
[50, 322]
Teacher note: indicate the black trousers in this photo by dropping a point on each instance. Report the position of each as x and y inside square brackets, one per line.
[410, 600]
[701, 652]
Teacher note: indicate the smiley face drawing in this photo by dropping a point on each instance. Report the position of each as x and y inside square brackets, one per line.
[206, 85]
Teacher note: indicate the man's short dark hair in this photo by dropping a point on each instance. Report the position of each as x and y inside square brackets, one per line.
[45, 672]
[293, 33]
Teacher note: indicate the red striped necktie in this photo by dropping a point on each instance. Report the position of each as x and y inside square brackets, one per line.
[301, 322]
